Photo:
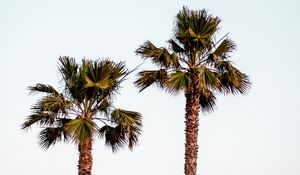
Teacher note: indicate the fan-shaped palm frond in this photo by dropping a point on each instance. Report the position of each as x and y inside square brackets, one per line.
[126, 118]
[114, 136]
[176, 47]
[41, 118]
[50, 135]
[103, 106]
[208, 78]
[43, 89]
[195, 29]
[159, 56]
[178, 81]
[98, 76]
[131, 123]
[52, 103]
[147, 78]
[207, 101]
[226, 46]
[81, 128]
[234, 81]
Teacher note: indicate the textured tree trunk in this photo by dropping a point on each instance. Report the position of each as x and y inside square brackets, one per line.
[191, 132]
[85, 157]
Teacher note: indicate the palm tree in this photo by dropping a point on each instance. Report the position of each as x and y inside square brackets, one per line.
[196, 64]
[84, 111]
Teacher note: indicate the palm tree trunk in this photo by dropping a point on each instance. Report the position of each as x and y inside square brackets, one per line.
[85, 157]
[191, 132]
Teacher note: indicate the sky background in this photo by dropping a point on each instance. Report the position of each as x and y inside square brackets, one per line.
[255, 134]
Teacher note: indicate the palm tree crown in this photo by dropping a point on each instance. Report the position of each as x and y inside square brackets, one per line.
[195, 58]
[84, 110]
[194, 63]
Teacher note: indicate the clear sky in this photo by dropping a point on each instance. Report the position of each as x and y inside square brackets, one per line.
[256, 134]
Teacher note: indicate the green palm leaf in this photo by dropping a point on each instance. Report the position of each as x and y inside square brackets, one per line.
[98, 76]
[42, 88]
[149, 77]
[178, 81]
[159, 56]
[176, 47]
[80, 128]
[131, 123]
[126, 118]
[234, 81]
[49, 136]
[207, 101]
[52, 103]
[208, 78]
[41, 118]
[226, 46]
[115, 137]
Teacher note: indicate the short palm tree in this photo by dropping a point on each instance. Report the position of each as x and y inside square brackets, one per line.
[196, 64]
[84, 111]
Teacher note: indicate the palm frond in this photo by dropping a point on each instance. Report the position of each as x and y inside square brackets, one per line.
[52, 103]
[72, 76]
[223, 49]
[178, 81]
[80, 128]
[41, 118]
[103, 106]
[43, 89]
[131, 123]
[49, 136]
[208, 78]
[158, 56]
[68, 69]
[103, 78]
[233, 81]
[176, 47]
[149, 77]
[115, 137]
[126, 118]
[98, 76]
[195, 29]
[207, 100]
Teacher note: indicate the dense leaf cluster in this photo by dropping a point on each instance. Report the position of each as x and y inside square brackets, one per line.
[84, 109]
[194, 62]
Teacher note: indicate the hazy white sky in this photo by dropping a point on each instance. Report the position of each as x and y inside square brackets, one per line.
[256, 134]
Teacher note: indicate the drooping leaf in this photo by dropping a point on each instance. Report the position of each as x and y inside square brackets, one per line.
[175, 47]
[207, 100]
[42, 88]
[50, 135]
[226, 46]
[52, 103]
[159, 56]
[39, 118]
[149, 77]
[114, 137]
[126, 118]
[233, 81]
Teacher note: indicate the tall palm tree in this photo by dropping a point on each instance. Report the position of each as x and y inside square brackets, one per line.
[196, 64]
[84, 111]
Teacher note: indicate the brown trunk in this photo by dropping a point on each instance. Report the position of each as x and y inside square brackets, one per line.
[191, 132]
[85, 157]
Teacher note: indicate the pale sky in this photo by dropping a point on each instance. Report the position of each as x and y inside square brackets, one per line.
[255, 134]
